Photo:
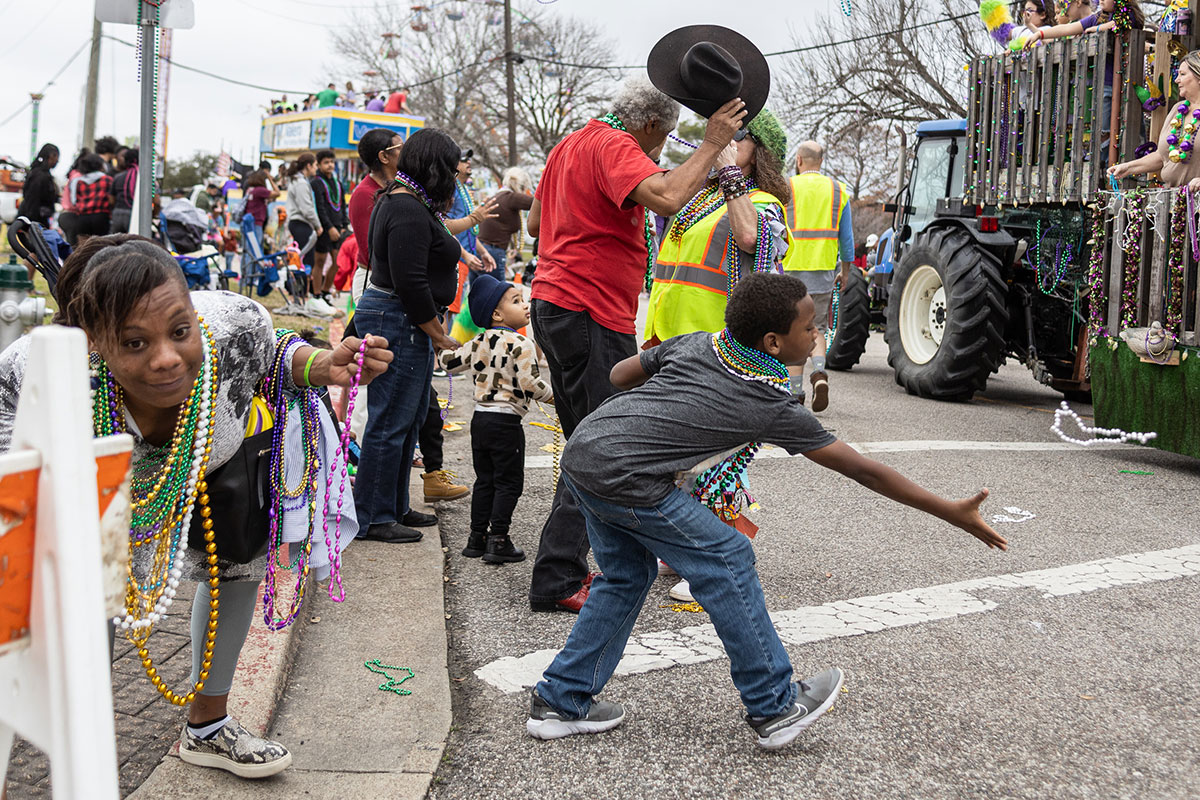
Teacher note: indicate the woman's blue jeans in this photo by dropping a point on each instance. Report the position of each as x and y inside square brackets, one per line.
[718, 563]
[497, 253]
[396, 406]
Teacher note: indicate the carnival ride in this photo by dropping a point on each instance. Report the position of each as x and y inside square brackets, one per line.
[1010, 241]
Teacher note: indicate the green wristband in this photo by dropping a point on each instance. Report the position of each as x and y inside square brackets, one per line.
[308, 366]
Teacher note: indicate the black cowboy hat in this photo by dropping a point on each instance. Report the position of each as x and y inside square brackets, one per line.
[706, 66]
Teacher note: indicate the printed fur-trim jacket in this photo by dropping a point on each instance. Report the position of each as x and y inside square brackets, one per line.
[503, 364]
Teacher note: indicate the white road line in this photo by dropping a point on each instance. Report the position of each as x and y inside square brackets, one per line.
[697, 644]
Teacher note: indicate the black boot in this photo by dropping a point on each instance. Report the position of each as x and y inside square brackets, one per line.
[476, 545]
[500, 550]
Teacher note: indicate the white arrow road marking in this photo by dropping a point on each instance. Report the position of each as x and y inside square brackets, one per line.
[697, 644]
[914, 446]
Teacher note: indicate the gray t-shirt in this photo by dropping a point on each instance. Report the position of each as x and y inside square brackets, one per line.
[691, 409]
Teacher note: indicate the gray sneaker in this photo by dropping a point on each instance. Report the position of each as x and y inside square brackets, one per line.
[234, 749]
[816, 696]
[546, 723]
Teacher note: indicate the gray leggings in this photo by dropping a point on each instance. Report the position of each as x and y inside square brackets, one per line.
[233, 622]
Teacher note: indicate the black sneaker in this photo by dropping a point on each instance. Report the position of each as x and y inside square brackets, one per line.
[391, 532]
[415, 519]
[546, 723]
[816, 696]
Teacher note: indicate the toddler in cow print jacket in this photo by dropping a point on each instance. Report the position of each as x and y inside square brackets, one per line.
[504, 367]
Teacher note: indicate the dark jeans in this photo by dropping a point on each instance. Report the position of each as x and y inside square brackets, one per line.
[429, 437]
[580, 353]
[500, 255]
[498, 455]
[396, 407]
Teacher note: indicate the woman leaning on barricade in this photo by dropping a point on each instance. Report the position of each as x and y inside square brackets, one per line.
[180, 372]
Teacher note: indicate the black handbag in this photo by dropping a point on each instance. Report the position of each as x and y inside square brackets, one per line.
[239, 496]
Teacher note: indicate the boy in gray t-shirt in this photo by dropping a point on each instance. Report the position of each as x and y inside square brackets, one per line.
[693, 399]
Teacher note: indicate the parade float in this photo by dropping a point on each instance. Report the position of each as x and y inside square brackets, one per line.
[1010, 240]
[335, 128]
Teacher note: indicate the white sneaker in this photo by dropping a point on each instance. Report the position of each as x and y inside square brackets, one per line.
[315, 305]
[681, 592]
[665, 569]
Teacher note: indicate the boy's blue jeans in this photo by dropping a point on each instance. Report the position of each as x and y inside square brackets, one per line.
[718, 563]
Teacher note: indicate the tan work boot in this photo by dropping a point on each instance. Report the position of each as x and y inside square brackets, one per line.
[438, 486]
[820, 385]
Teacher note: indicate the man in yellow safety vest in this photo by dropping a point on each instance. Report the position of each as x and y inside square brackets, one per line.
[819, 219]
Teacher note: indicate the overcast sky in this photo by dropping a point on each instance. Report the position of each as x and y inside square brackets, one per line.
[252, 41]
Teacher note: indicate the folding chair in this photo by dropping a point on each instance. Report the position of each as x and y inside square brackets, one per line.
[42, 247]
[259, 270]
[201, 267]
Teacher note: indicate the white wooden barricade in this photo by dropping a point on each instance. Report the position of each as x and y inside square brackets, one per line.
[55, 685]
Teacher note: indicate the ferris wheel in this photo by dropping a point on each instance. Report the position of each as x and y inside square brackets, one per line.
[430, 17]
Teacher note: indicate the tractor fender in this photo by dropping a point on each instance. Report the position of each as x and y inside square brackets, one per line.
[1001, 243]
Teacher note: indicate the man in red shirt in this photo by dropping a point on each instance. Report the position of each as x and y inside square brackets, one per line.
[397, 103]
[594, 248]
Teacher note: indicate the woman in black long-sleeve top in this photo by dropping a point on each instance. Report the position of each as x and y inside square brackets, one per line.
[40, 192]
[413, 277]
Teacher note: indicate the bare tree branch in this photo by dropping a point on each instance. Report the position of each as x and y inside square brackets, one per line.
[456, 73]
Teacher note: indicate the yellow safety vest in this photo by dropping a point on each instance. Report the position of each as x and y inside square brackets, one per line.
[813, 217]
[691, 282]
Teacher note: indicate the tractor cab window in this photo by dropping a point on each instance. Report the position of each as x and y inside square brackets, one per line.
[937, 173]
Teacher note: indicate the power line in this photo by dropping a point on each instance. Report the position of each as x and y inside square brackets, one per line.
[213, 75]
[49, 83]
[805, 49]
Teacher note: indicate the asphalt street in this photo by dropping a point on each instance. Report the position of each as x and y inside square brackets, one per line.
[1074, 695]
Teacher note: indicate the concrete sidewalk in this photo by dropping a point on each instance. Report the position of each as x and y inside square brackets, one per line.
[315, 695]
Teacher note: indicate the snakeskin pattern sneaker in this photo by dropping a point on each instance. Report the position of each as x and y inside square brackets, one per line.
[234, 749]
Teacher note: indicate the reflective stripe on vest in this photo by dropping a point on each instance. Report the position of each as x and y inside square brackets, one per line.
[814, 218]
[690, 278]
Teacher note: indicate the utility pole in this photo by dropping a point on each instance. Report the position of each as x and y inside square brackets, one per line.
[93, 84]
[510, 84]
[33, 133]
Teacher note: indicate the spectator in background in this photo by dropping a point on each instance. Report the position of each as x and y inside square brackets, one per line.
[264, 167]
[330, 197]
[123, 193]
[397, 103]
[209, 200]
[305, 226]
[379, 149]
[375, 103]
[106, 147]
[41, 192]
[91, 198]
[327, 97]
[515, 196]
[463, 220]
[256, 199]
[68, 220]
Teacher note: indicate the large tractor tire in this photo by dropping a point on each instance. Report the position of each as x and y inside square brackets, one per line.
[946, 316]
[853, 316]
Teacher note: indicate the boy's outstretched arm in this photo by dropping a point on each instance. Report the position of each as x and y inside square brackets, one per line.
[884, 480]
[628, 374]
